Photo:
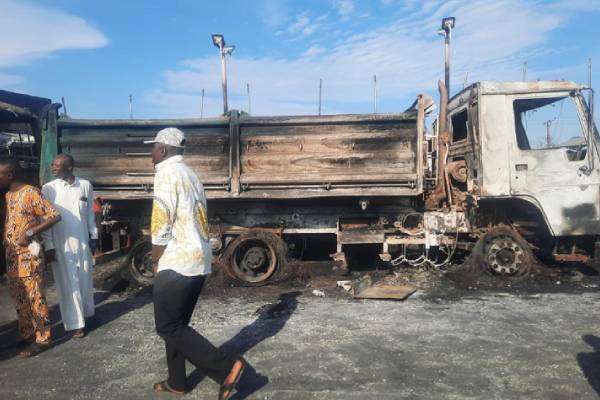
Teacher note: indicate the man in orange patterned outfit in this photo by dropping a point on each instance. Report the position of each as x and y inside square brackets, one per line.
[27, 215]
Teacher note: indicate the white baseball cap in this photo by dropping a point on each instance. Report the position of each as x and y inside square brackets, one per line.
[169, 136]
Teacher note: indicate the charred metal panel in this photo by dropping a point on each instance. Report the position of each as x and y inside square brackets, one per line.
[526, 87]
[275, 157]
[497, 130]
[117, 156]
[305, 153]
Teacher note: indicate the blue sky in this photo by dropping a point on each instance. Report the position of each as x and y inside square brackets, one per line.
[97, 53]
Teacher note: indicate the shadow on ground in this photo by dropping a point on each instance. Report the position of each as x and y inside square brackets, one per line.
[271, 319]
[590, 362]
[105, 312]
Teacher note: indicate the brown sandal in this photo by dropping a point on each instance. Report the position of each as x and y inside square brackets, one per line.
[164, 387]
[79, 333]
[34, 349]
[232, 379]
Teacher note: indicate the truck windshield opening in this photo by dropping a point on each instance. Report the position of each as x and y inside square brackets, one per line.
[549, 123]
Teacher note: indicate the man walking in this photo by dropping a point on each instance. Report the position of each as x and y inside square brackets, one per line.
[27, 215]
[70, 243]
[182, 257]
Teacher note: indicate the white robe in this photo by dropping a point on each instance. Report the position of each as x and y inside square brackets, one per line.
[70, 240]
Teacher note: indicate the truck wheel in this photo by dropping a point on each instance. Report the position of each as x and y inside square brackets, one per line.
[504, 252]
[139, 262]
[256, 258]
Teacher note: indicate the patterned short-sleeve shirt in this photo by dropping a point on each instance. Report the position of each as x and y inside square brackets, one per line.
[24, 208]
[179, 219]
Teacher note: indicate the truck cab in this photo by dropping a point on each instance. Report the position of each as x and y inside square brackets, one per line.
[531, 154]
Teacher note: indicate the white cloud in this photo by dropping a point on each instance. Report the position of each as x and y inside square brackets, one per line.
[314, 51]
[491, 40]
[303, 25]
[274, 13]
[344, 7]
[31, 31]
[302, 21]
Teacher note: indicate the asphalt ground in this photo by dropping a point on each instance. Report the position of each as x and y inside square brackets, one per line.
[444, 342]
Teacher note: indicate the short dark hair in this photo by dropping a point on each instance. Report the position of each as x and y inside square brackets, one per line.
[68, 157]
[12, 164]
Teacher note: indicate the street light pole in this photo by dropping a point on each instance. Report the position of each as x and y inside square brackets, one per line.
[224, 51]
[548, 136]
[224, 81]
[446, 31]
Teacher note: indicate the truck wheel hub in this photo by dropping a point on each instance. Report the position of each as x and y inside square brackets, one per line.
[254, 258]
[505, 257]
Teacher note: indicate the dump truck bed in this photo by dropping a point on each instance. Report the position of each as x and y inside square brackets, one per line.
[257, 157]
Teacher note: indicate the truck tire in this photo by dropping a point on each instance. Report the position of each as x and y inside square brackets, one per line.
[139, 262]
[256, 258]
[502, 251]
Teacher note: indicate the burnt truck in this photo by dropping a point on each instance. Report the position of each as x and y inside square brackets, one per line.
[490, 176]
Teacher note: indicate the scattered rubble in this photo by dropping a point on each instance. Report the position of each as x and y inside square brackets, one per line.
[346, 285]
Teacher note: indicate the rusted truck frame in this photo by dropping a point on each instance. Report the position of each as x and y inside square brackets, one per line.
[271, 181]
[366, 181]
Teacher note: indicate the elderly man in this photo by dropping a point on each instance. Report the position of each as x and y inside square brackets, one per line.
[27, 215]
[182, 257]
[70, 243]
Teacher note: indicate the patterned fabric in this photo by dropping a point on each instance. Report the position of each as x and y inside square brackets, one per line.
[29, 300]
[24, 209]
[179, 219]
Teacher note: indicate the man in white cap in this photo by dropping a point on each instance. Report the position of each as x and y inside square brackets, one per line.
[181, 254]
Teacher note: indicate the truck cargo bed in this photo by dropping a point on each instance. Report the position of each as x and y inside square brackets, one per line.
[257, 157]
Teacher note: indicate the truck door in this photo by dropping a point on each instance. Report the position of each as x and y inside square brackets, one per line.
[549, 165]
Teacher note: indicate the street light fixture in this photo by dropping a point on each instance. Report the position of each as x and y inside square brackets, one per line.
[448, 24]
[219, 41]
[228, 50]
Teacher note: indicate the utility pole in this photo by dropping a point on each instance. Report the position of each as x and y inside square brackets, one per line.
[548, 136]
[202, 104]
[249, 102]
[375, 94]
[320, 93]
[466, 79]
[590, 93]
[591, 121]
[62, 99]
[525, 71]
[446, 31]
[130, 106]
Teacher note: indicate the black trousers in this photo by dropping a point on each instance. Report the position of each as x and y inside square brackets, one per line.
[175, 297]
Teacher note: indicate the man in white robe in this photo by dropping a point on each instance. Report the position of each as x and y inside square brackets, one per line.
[70, 243]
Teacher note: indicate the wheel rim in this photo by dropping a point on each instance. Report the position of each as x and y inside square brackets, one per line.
[253, 261]
[505, 256]
[142, 263]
